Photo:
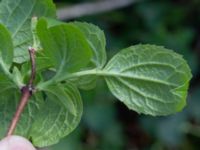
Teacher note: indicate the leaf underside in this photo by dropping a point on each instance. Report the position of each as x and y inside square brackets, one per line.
[9, 101]
[149, 79]
[44, 120]
[55, 119]
[96, 39]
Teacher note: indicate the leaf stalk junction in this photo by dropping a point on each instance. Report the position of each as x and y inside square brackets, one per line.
[26, 93]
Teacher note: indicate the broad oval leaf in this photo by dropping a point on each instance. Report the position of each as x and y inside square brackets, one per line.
[16, 16]
[65, 45]
[56, 119]
[96, 39]
[149, 79]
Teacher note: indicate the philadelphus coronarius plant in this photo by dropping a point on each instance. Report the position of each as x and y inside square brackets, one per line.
[44, 63]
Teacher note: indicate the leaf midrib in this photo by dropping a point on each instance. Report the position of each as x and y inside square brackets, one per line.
[26, 18]
[141, 93]
[104, 73]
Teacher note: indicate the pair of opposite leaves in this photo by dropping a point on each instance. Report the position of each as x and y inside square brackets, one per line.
[148, 79]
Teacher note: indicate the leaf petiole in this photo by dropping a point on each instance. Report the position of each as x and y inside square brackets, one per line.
[43, 85]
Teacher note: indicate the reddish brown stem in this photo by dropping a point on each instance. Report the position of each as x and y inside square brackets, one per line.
[33, 69]
[26, 94]
[24, 99]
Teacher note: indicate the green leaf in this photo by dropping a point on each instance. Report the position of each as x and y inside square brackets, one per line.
[53, 22]
[46, 119]
[58, 92]
[7, 80]
[96, 39]
[5, 84]
[65, 45]
[56, 119]
[8, 103]
[16, 16]
[149, 79]
[6, 47]
[42, 64]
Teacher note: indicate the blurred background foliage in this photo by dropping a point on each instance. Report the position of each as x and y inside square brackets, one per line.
[107, 124]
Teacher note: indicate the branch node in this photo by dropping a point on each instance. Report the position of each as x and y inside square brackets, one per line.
[26, 93]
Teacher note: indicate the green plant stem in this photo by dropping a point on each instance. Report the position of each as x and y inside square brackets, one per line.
[26, 94]
[24, 99]
[68, 76]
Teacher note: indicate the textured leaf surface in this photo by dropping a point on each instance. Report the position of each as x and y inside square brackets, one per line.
[149, 79]
[44, 121]
[16, 16]
[65, 45]
[56, 120]
[61, 97]
[5, 83]
[96, 39]
[8, 102]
